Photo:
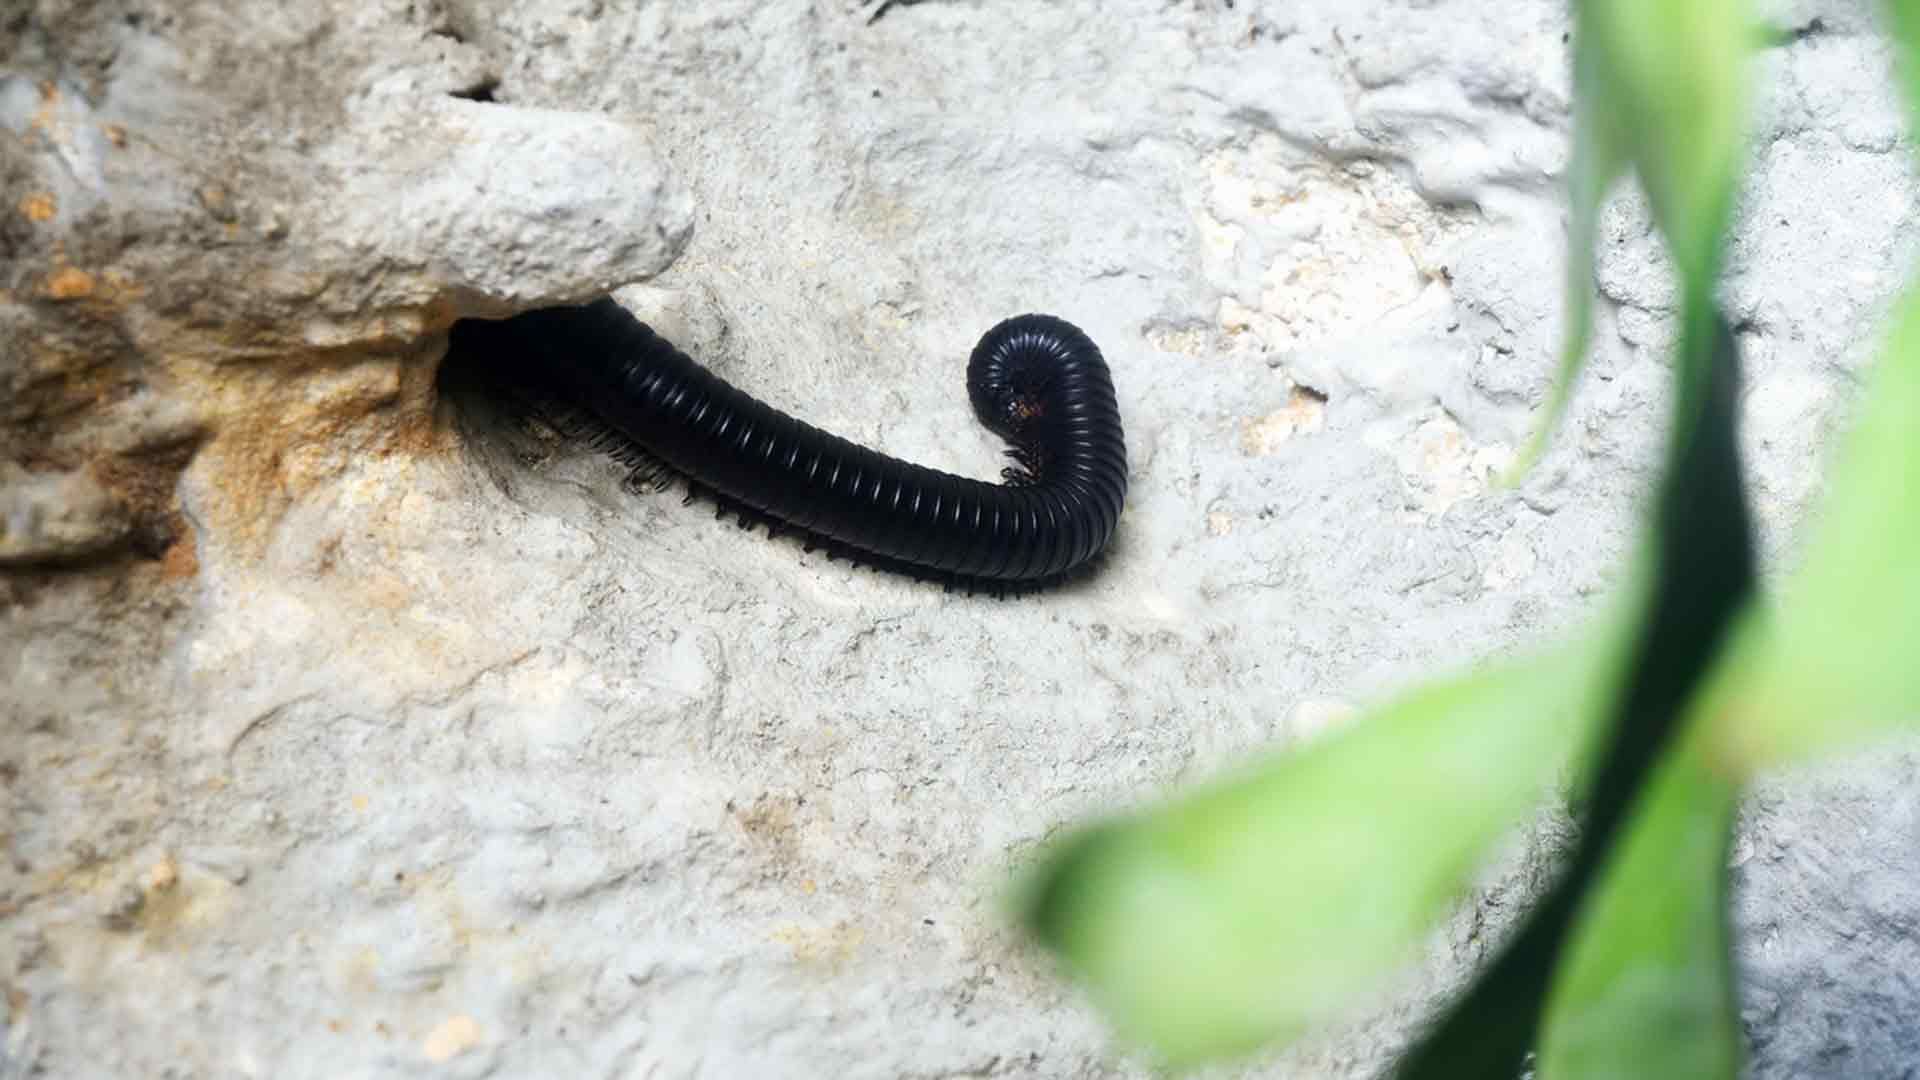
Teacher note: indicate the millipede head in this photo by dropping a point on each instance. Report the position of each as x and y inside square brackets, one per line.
[1015, 366]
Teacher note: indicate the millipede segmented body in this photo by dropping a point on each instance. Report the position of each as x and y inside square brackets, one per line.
[1035, 380]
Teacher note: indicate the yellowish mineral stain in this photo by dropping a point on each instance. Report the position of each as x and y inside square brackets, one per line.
[454, 1036]
[38, 206]
[1304, 413]
[70, 283]
[825, 946]
[163, 875]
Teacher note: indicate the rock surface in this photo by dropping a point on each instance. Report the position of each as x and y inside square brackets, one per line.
[352, 728]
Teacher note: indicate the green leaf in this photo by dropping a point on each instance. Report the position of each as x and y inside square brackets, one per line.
[1599, 157]
[1660, 86]
[1242, 914]
[1677, 72]
[1700, 559]
[1903, 20]
[1833, 662]
[1645, 983]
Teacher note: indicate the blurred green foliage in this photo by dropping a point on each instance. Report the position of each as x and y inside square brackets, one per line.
[1238, 916]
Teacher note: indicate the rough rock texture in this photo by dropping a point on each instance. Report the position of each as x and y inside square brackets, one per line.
[352, 728]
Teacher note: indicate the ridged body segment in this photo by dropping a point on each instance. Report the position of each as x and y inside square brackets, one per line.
[1036, 380]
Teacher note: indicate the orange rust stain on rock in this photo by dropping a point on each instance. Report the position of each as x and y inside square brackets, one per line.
[43, 117]
[275, 413]
[38, 206]
[181, 559]
[147, 486]
[283, 430]
[163, 875]
[70, 283]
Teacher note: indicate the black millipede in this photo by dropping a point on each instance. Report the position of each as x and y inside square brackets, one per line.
[595, 371]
